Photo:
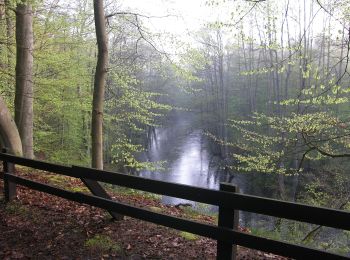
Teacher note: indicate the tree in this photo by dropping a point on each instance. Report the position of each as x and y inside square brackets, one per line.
[134, 92]
[24, 77]
[99, 86]
[9, 136]
[63, 75]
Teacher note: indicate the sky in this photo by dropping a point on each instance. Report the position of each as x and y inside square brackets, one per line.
[184, 15]
[183, 18]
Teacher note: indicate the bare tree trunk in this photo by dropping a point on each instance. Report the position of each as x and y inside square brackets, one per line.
[10, 40]
[24, 77]
[246, 89]
[99, 86]
[223, 96]
[9, 136]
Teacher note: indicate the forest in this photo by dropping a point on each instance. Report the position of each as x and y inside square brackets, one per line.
[255, 94]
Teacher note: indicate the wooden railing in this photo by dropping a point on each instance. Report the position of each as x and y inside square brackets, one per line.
[226, 199]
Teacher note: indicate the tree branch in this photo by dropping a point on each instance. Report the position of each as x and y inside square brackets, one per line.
[138, 14]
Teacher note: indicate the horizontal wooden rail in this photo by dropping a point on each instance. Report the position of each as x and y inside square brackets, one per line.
[214, 232]
[282, 209]
[36, 164]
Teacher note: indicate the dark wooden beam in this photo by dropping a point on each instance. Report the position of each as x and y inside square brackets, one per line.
[227, 219]
[10, 191]
[97, 190]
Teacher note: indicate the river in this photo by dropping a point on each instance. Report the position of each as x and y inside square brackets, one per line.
[188, 160]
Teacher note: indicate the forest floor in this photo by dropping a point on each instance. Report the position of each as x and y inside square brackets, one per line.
[41, 226]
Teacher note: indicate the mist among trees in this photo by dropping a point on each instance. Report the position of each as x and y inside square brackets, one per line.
[266, 84]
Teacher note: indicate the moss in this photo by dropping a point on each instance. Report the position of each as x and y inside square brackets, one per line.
[29, 213]
[188, 236]
[64, 182]
[15, 208]
[342, 250]
[103, 243]
[131, 192]
[79, 189]
[57, 179]
[24, 169]
[190, 212]
[156, 209]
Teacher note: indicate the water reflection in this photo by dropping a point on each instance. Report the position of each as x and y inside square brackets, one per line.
[187, 155]
[189, 161]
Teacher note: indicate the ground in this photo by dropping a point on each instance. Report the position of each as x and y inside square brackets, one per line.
[41, 226]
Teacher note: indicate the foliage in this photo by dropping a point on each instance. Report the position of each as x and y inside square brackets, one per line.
[312, 136]
[65, 58]
[63, 61]
[132, 109]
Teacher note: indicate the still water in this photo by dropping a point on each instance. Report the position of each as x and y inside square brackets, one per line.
[185, 150]
[187, 160]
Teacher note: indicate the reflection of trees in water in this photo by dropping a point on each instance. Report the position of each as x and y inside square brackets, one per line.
[177, 141]
[151, 137]
[218, 171]
[170, 144]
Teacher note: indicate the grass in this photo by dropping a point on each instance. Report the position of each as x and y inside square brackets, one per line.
[103, 243]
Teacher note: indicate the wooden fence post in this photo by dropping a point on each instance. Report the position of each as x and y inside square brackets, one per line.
[229, 219]
[9, 187]
[97, 190]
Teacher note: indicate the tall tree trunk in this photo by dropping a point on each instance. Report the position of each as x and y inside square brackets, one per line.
[9, 136]
[223, 96]
[10, 40]
[99, 86]
[24, 77]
